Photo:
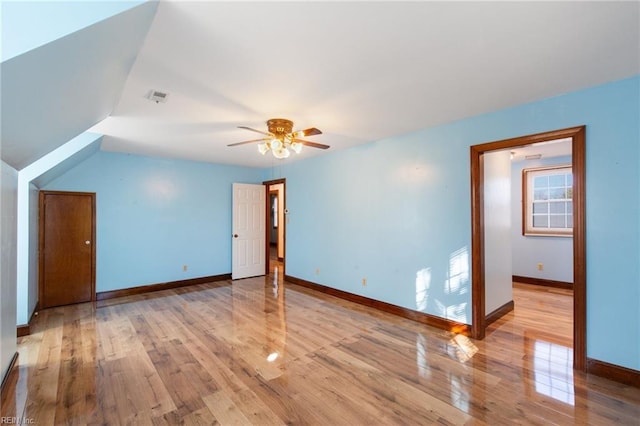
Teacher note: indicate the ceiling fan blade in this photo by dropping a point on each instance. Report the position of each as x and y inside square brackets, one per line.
[251, 141]
[255, 130]
[312, 144]
[310, 131]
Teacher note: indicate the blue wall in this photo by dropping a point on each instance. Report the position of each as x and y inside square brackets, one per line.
[395, 211]
[156, 215]
[398, 212]
[387, 211]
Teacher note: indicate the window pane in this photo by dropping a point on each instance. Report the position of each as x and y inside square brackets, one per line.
[541, 181]
[540, 221]
[557, 180]
[557, 221]
[557, 194]
[547, 196]
[542, 207]
[541, 194]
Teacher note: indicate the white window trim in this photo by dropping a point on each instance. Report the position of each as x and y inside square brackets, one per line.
[527, 201]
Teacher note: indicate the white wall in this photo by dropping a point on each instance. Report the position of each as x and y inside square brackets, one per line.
[27, 250]
[555, 253]
[34, 232]
[497, 228]
[8, 220]
[47, 168]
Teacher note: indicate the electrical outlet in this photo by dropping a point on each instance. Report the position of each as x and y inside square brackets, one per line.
[540, 267]
[364, 282]
[184, 268]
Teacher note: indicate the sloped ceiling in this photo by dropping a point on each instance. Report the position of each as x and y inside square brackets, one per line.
[57, 91]
[76, 150]
[359, 71]
[27, 25]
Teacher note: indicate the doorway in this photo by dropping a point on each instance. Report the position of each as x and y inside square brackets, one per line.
[577, 135]
[276, 225]
[67, 248]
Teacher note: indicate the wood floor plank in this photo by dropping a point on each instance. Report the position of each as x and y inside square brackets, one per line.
[337, 391]
[255, 409]
[420, 406]
[16, 391]
[185, 379]
[74, 380]
[42, 400]
[262, 351]
[202, 417]
[224, 409]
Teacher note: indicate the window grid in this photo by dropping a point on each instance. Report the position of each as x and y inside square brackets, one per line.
[548, 201]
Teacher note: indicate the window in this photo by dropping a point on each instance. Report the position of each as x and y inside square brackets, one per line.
[547, 197]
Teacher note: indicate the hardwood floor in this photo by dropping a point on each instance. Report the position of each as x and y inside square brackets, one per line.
[260, 351]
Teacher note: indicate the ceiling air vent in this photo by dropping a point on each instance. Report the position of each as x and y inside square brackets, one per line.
[157, 96]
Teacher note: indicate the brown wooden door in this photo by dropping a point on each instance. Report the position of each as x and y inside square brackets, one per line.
[67, 248]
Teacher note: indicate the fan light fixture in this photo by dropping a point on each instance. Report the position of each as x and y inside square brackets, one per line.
[283, 141]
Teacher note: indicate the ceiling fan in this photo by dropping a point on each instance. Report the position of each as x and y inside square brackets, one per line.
[281, 139]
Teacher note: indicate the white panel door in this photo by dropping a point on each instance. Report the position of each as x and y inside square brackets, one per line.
[248, 246]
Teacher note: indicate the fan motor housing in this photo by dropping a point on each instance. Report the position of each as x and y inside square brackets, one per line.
[280, 126]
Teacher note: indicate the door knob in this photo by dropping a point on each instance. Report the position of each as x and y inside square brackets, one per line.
[87, 242]
[235, 235]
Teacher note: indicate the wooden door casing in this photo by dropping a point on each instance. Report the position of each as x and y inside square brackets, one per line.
[67, 248]
[578, 165]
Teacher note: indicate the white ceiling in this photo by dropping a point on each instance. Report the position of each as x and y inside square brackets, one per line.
[548, 149]
[359, 71]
